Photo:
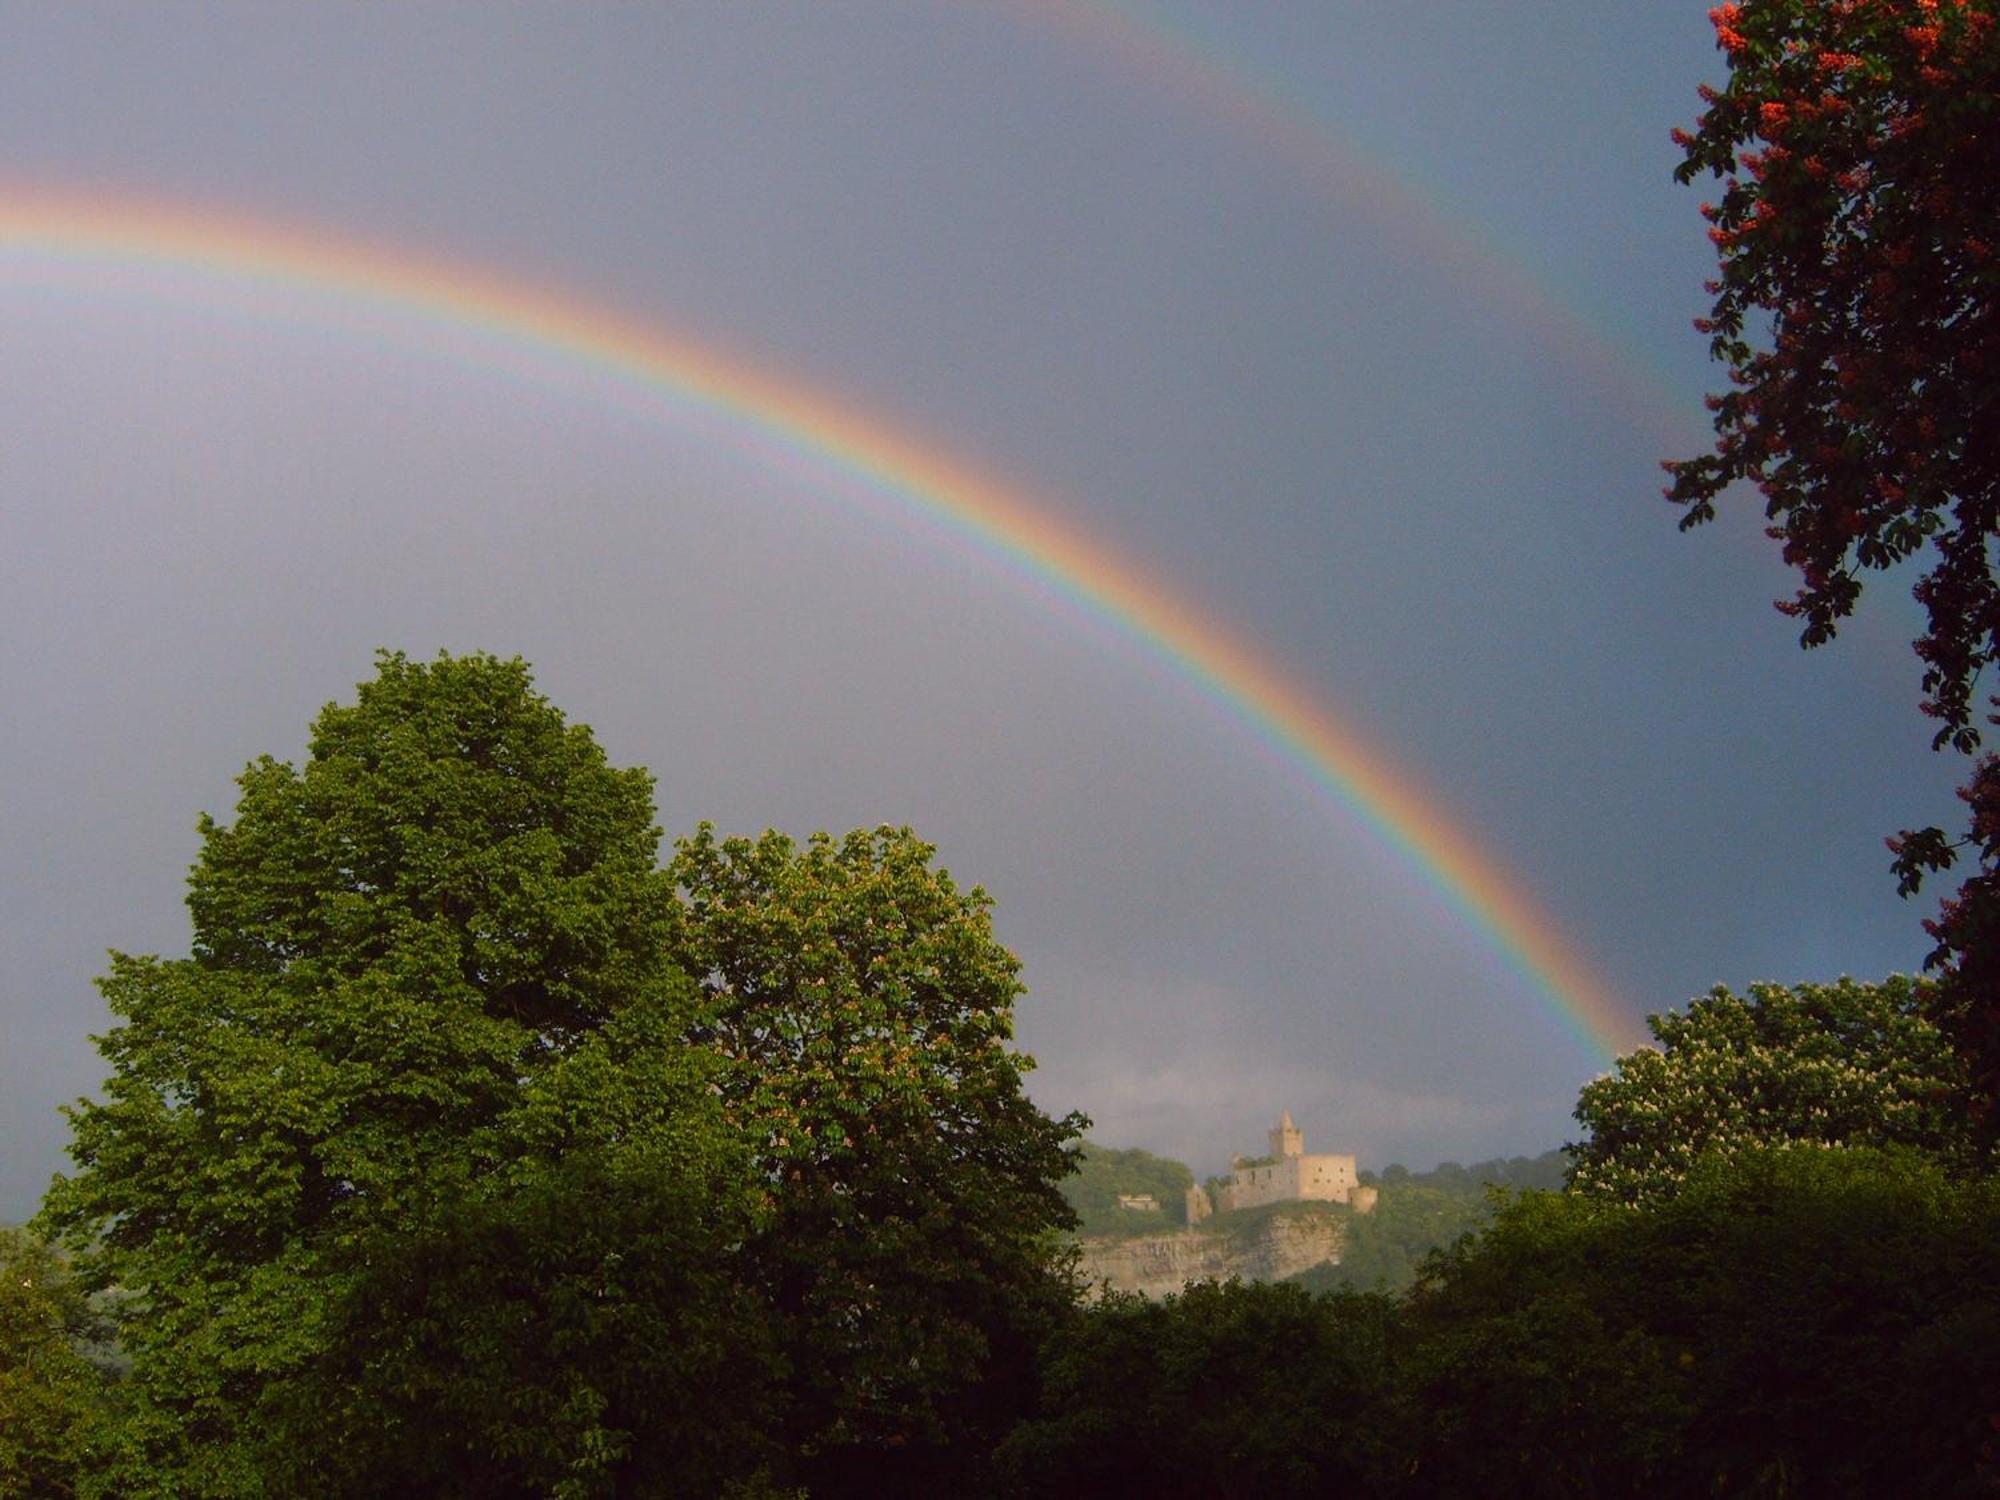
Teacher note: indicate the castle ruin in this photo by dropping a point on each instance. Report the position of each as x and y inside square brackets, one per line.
[1286, 1175]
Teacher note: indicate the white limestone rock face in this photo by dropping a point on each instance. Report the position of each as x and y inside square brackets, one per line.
[1158, 1264]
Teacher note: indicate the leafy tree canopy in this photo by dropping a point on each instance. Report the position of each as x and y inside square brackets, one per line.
[429, 978]
[1860, 151]
[1858, 312]
[863, 1012]
[1811, 1320]
[1843, 1064]
[52, 1399]
[1222, 1390]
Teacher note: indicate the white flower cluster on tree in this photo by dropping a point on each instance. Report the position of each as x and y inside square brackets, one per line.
[1842, 1064]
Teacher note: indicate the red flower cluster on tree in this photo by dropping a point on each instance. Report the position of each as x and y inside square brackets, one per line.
[1858, 312]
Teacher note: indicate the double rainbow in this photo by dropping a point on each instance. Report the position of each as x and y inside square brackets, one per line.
[97, 233]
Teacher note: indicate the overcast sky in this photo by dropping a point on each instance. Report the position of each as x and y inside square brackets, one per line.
[1362, 326]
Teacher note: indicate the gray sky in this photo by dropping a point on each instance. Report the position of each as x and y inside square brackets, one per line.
[1248, 294]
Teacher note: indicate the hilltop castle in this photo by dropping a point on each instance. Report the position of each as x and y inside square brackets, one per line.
[1286, 1175]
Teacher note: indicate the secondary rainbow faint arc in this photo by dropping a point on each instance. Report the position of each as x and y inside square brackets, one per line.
[1180, 62]
[103, 230]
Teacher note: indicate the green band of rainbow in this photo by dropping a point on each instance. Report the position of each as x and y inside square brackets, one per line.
[39, 225]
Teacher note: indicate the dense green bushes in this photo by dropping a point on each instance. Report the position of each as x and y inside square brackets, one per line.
[1230, 1389]
[1796, 1322]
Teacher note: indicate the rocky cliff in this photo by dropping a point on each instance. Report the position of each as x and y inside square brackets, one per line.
[1270, 1248]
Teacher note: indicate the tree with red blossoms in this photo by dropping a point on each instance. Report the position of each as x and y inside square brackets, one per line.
[1858, 311]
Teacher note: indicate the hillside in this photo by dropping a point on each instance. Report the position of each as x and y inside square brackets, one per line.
[1418, 1212]
[1106, 1172]
[1320, 1245]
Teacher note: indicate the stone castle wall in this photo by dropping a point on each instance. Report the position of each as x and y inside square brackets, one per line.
[1322, 1179]
[1267, 1250]
[1286, 1176]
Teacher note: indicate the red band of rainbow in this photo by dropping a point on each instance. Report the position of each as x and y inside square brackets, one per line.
[38, 227]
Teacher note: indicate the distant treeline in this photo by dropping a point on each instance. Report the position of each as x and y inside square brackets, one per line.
[1544, 1172]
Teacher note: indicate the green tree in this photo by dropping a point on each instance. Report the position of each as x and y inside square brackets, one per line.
[429, 982]
[1225, 1389]
[1802, 1321]
[577, 1332]
[1858, 312]
[1523, 1370]
[863, 1011]
[1384, 1248]
[575, 1326]
[1841, 1064]
[52, 1398]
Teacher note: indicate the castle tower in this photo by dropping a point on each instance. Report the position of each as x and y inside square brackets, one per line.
[1287, 1139]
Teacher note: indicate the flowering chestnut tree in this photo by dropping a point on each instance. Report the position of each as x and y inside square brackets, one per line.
[1841, 1064]
[1858, 311]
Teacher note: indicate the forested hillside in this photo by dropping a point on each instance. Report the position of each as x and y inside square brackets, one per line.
[1104, 1172]
[1419, 1212]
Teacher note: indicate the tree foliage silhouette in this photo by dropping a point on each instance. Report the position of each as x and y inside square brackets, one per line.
[1858, 312]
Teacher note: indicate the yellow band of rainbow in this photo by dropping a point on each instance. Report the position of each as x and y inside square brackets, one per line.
[40, 225]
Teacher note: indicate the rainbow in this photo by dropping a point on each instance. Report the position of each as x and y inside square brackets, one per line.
[1178, 60]
[105, 235]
